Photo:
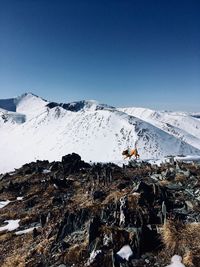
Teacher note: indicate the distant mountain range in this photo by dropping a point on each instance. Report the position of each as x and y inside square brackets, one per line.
[32, 128]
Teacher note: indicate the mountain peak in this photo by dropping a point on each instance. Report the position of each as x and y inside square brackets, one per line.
[29, 104]
[11, 104]
[27, 95]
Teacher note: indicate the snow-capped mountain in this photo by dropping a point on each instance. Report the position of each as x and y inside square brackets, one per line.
[32, 128]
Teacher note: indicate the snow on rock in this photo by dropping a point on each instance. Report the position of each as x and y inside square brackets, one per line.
[123, 206]
[19, 198]
[176, 262]
[11, 225]
[125, 252]
[93, 256]
[4, 203]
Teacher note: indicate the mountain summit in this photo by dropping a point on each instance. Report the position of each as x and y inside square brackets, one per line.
[32, 128]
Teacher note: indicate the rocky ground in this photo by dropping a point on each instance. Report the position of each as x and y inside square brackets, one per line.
[70, 213]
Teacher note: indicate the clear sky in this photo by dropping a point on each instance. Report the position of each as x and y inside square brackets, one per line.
[120, 52]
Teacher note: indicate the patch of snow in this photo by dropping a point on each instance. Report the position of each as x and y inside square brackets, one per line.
[188, 158]
[11, 225]
[19, 198]
[125, 252]
[46, 171]
[157, 162]
[29, 230]
[4, 203]
[176, 261]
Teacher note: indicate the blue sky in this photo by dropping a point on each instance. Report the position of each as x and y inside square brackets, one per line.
[120, 52]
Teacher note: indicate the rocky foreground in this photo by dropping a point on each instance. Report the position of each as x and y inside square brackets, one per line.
[70, 213]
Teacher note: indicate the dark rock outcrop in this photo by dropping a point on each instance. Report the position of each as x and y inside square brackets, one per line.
[82, 215]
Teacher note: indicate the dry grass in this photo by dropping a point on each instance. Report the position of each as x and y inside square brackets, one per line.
[30, 218]
[82, 200]
[9, 214]
[76, 253]
[164, 182]
[43, 247]
[184, 240]
[5, 236]
[114, 197]
[188, 259]
[180, 177]
[133, 201]
[15, 249]
[15, 261]
[170, 235]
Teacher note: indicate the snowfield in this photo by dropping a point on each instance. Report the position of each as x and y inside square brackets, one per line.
[4, 203]
[10, 225]
[32, 128]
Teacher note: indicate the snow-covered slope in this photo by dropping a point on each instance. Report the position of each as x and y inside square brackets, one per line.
[97, 132]
[182, 125]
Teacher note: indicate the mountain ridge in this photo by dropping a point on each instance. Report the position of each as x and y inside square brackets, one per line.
[98, 132]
